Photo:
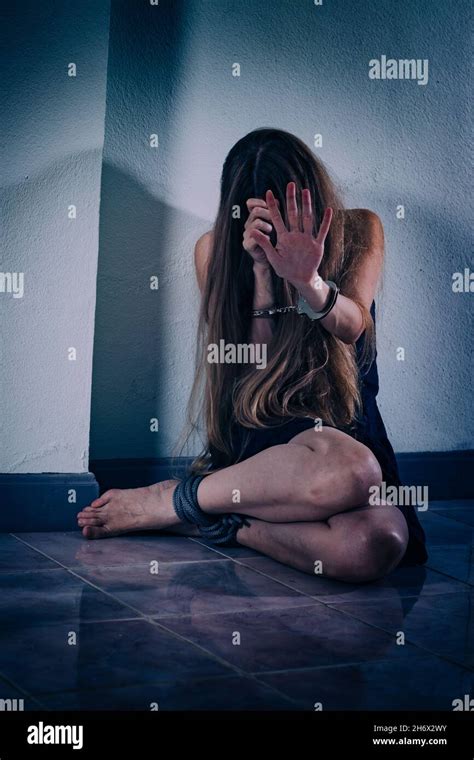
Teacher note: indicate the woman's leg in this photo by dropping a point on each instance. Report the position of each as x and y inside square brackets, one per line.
[315, 475]
[358, 545]
[291, 490]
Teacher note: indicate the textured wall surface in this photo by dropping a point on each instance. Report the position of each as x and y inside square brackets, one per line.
[52, 128]
[303, 68]
[387, 142]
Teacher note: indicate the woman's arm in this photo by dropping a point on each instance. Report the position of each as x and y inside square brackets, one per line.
[298, 255]
[345, 320]
[261, 330]
[261, 327]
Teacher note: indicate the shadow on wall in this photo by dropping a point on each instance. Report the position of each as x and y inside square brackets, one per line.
[135, 360]
[135, 332]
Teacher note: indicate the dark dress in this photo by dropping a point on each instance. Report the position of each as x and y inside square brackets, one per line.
[370, 430]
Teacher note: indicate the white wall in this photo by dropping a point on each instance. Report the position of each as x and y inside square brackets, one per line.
[303, 68]
[53, 133]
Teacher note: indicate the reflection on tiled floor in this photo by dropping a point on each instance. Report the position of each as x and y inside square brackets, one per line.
[149, 621]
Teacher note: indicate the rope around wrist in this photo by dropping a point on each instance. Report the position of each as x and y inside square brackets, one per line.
[219, 530]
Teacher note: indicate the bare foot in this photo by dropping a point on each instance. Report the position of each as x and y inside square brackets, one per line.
[124, 511]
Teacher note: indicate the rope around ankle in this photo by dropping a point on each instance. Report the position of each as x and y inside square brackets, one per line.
[218, 530]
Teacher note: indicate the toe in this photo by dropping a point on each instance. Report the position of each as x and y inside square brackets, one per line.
[82, 521]
[87, 512]
[106, 497]
[98, 502]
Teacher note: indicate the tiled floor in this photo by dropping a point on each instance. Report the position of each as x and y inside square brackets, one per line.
[148, 621]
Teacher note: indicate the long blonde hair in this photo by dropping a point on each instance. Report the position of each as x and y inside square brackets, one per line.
[310, 372]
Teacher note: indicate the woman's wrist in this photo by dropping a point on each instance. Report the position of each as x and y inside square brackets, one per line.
[263, 294]
[261, 269]
[315, 293]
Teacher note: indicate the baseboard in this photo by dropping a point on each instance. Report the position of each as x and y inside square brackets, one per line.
[133, 473]
[448, 474]
[50, 501]
[44, 501]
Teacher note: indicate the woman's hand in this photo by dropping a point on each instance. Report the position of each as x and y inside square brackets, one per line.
[259, 219]
[297, 254]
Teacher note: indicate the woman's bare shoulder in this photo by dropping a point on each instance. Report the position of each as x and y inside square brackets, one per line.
[366, 225]
[202, 251]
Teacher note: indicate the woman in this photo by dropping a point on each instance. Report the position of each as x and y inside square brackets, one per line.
[296, 447]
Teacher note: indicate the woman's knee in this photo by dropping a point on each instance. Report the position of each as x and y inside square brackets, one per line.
[376, 545]
[335, 457]
[364, 473]
[355, 474]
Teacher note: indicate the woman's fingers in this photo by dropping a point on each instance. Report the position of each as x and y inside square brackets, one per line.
[264, 242]
[252, 202]
[249, 243]
[259, 224]
[275, 213]
[307, 212]
[258, 213]
[292, 207]
[325, 224]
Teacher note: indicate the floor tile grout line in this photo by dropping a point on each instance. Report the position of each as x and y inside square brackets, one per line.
[318, 598]
[236, 668]
[456, 521]
[102, 567]
[241, 561]
[250, 567]
[151, 621]
[105, 567]
[136, 684]
[97, 621]
[355, 663]
[194, 540]
[142, 614]
[40, 551]
[4, 573]
[446, 658]
[140, 564]
[409, 640]
[337, 609]
[246, 676]
[212, 548]
[242, 611]
[447, 575]
[218, 613]
[447, 517]
[225, 676]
